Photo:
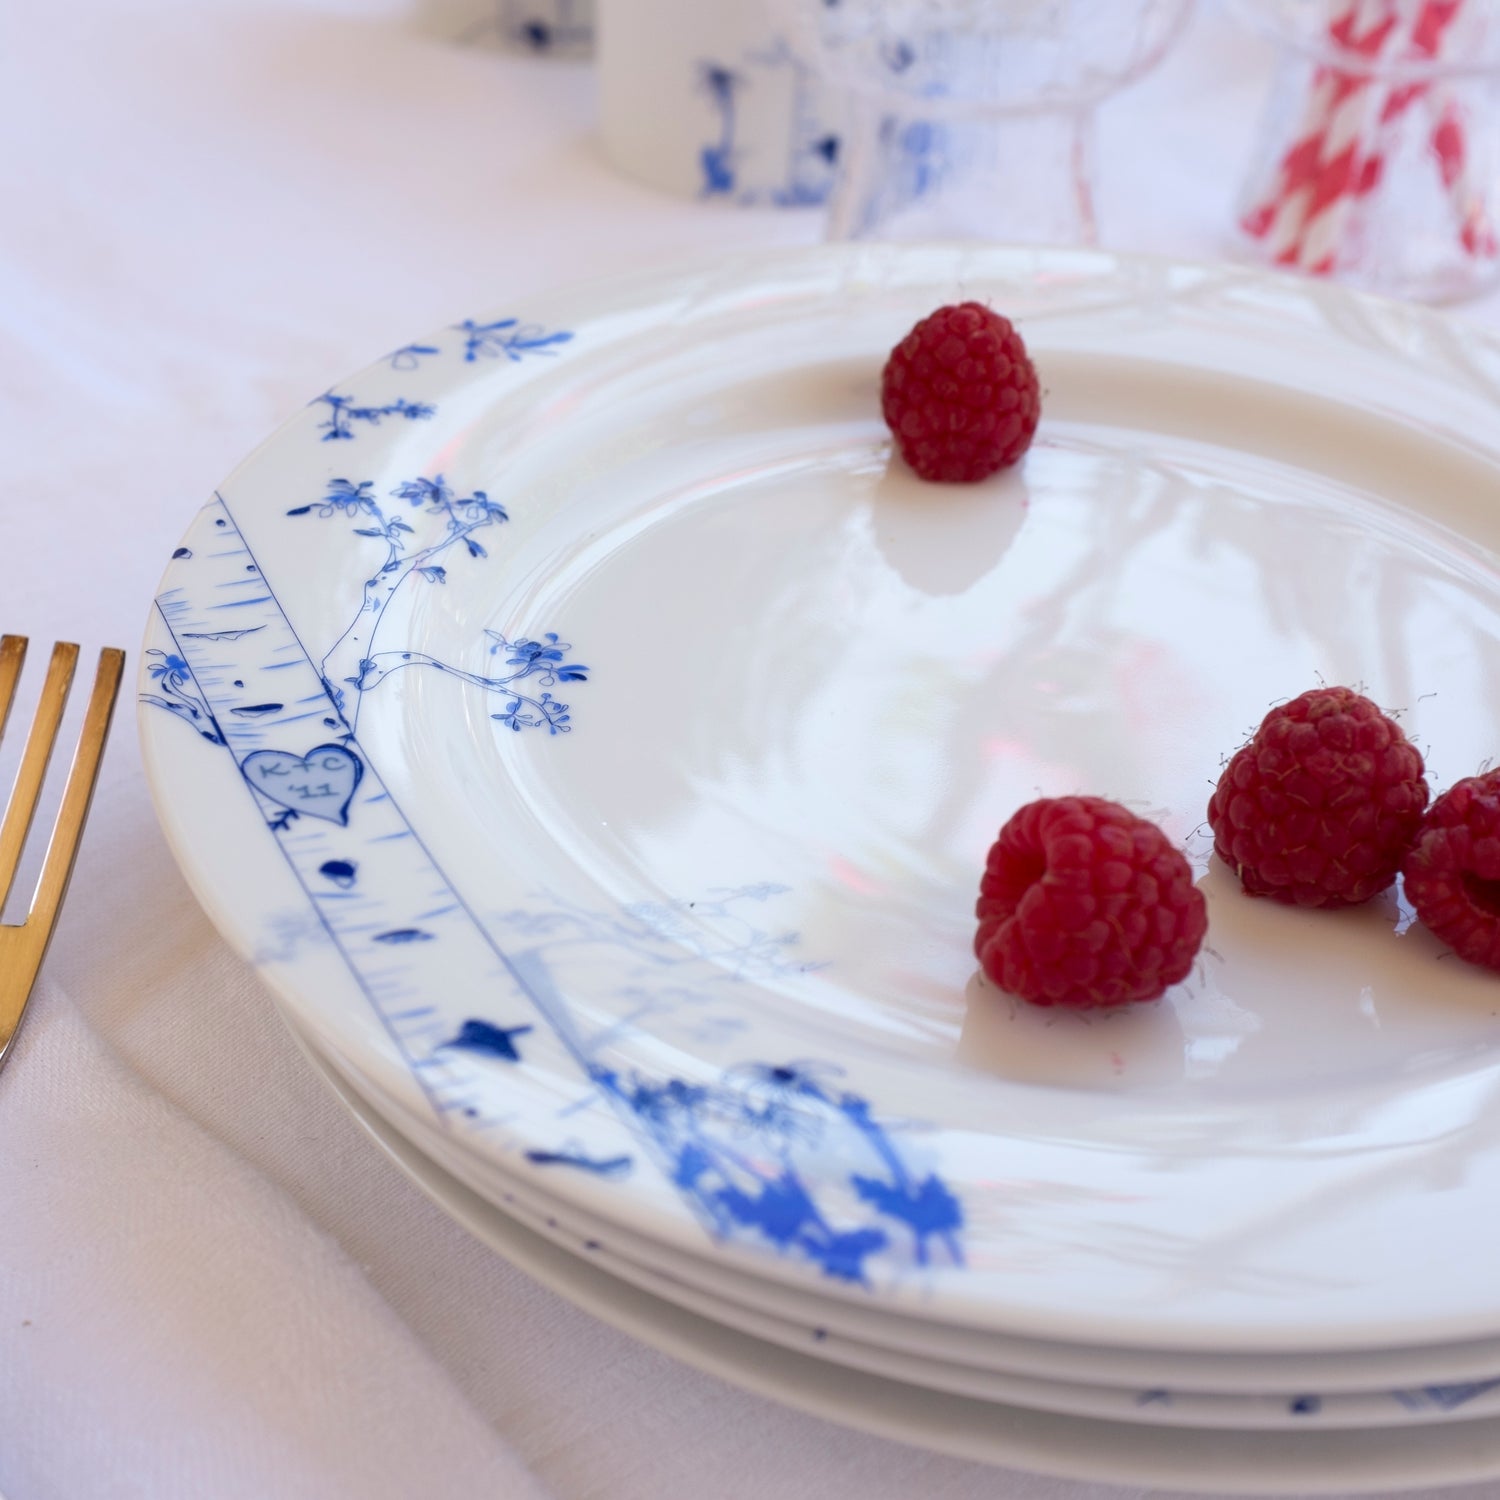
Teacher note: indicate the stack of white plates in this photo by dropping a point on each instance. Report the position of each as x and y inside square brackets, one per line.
[595, 738]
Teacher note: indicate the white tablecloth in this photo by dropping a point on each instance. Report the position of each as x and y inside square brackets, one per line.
[211, 1284]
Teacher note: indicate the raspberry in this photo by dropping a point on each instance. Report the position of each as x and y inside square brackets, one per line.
[960, 394]
[1321, 806]
[1084, 904]
[1452, 873]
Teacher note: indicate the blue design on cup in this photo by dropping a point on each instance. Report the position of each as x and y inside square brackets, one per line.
[717, 159]
[813, 150]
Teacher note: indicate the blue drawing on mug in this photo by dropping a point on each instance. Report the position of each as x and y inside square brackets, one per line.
[342, 872]
[717, 158]
[812, 149]
[922, 149]
[507, 338]
[179, 693]
[320, 784]
[775, 77]
[343, 413]
[1305, 1406]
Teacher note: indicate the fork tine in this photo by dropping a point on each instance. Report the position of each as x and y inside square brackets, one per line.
[33, 770]
[67, 830]
[12, 657]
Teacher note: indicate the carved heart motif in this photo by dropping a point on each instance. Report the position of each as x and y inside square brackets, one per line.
[320, 784]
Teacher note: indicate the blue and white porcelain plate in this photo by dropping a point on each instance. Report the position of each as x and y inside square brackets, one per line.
[594, 736]
[1272, 1444]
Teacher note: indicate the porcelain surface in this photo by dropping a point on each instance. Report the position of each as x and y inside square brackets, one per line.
[594, 736]
[1231, 1462]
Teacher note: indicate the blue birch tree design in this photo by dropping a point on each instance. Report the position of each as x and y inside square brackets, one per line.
[353, 665]
[781, 1154]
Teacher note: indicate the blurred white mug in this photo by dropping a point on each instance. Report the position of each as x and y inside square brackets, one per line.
[703, 99]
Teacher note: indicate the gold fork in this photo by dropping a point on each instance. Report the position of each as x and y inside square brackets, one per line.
[23, 945]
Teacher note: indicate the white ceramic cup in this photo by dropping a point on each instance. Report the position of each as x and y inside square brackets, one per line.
[703, 99]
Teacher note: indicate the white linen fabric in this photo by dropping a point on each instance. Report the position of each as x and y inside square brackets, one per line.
[211, 1284]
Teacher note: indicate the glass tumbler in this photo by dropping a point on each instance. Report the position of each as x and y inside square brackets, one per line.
[973, 119]
[1378, 156]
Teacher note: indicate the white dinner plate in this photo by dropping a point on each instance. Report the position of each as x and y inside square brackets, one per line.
[594, 736]
[1236, 1462]
[1413, 1383]
[1160, 1391]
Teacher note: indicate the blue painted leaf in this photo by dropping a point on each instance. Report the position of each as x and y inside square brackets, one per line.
[488, 1040]
[842, 1256]
[780, 1210]
[929, 1209]
[692, 1163]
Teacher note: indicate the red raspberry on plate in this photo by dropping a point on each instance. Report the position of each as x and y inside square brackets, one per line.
[960, 394]
[1321, 806]
[1452, 874]
[1084, 904]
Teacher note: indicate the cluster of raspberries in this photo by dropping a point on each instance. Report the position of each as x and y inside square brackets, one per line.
[1084, 904]
[1328, 803]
